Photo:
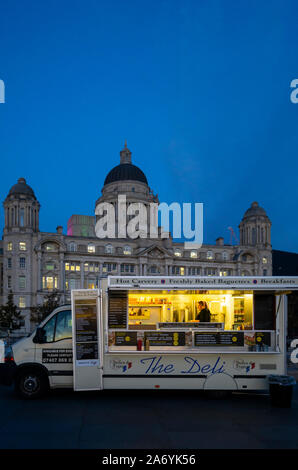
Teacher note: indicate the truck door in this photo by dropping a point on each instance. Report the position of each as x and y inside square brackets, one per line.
[55, 352]
[87, 339]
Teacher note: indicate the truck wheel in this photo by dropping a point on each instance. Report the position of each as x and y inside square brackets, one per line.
[31, 383]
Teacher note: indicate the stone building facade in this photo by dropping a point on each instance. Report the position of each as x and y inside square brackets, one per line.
[35, 262]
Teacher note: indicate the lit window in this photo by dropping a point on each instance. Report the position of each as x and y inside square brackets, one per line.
[210, 254]
[78, 267]
[22, 302]
[109, 249]
[265, 260]
[223, 273]
[9, 246]
[67, 266]
[86, 266]
[127, 250]
[89, 284]
[177, 252]
[49, 282]
[182, 271]
[22, 263]
[51, 247]
[193, 254]
[22, 282]
[72, 267]
[91, 248]
[22, 246]
[9, 263]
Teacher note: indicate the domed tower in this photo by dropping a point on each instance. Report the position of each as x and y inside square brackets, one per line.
[21, 209]
[126, 180]
[255, 227]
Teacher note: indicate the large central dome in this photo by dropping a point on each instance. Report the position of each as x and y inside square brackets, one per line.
[126, 170]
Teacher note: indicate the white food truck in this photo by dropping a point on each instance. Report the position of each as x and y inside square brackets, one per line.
[149, 333]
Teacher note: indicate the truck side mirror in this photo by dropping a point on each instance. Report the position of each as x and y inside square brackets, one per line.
[39, 337]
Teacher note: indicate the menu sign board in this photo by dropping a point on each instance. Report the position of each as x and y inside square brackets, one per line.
[86, 331]
[165, 338]
[118, 304]
[125, 338]
[86, 327]
[219, 339]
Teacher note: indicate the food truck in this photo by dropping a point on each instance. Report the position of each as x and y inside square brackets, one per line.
[145, 333]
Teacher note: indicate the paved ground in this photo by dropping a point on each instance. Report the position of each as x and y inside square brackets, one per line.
[150, 419]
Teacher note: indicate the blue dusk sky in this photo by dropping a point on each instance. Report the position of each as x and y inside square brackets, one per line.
[199, 89]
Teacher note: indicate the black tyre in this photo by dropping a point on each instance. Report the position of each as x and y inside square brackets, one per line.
[31, 383]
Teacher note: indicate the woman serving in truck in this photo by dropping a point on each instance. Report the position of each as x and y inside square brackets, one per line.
[204, 314]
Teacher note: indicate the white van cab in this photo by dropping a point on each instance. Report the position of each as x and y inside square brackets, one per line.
[42, 360]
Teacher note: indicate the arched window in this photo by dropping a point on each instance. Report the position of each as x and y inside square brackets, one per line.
[109, 249]
[177, 252]
[225, 256]
[91, 248]
[72, 246]
[210, 254]
[127, 250]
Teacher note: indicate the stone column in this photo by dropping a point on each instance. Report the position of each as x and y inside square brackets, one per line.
[39, 280]
[82, 274]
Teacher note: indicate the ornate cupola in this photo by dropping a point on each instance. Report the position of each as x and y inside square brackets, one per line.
[255, 227]
[21, 208]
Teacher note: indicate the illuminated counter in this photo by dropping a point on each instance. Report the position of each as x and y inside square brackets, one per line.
[192, 325]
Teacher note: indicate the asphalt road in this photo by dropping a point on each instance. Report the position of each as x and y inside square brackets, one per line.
[145, 419]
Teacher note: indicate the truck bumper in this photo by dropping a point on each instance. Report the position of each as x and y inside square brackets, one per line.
[7, 373]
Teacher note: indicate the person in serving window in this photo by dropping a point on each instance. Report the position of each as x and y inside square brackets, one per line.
[204, 314]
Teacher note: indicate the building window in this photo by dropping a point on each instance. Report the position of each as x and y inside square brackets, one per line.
[109, 249]
[177, 252]
[72, 246]
[22, 217]
[49, 282]
[127, 250]
[22, 282]
[210, 254]
[225, 256]
[22, 263]
[264, 272]
[49, 266]
[8, 282]
[9, 263]
[153, 270]
[51, 247]
[210, 272]
[127, 268]
[91, 248]
[9, 246]
[224, 272]
[265, 261]
[109, 267]
[193, 254]
[90, 284]
[22, 302]
[178, 270]
[194, 271]
[22, 246]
